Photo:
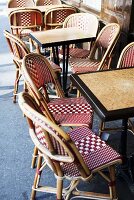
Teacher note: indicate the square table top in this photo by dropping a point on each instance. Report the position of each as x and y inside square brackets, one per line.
[60, 36]
[111, 93]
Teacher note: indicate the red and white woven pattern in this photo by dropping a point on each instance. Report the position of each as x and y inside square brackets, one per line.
[71, 111]
[96, 153]
[60, 15]
[41, 137]
[20, 3]
[79, 65]
[38, 71]
[127, 59]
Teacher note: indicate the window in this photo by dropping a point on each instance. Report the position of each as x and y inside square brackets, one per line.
[93, 4]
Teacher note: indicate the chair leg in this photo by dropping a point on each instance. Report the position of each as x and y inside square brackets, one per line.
[18, 75]
[101, 129]
[37, 178]
[112, 187]
[34, 157]
[59, 189]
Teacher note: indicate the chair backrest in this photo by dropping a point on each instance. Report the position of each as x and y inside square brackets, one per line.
[20, 3]
[38, 73]
[105, 43]
[55, 144]
[17, 46]
[54, 17]
[47, 2]
[22, 19]
[126, 58]
[85, 21]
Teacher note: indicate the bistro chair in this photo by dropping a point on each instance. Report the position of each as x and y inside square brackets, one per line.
[86, 22]
[101, 52]
[75, 156]
[70, 112]
[19, 50]
[24, 21]
[54, 17]
[47, 2]
[20, 3]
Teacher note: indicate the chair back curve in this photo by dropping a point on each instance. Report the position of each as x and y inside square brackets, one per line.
[55, 16]
[126, 58]
[104, 44]
[20, 3]
[85, 21]
[23, 21]
[49, 138]
[47, 2]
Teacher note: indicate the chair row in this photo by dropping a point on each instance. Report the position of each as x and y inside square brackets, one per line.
[31, 3]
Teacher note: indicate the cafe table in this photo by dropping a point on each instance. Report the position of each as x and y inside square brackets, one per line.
[61, 37]
[111, 94]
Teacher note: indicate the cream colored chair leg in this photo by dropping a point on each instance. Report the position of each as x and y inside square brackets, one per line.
[101, 129]
[112, 188]
[34, 158]
[59, 189]
[37, 177]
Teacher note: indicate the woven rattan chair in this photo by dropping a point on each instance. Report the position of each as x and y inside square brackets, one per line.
[88, 23]
[19, 50]
[24, 21]
[69, 155]
[47, 2]
[63, 111]
[54, 17]
[100, 55]
[20, 3]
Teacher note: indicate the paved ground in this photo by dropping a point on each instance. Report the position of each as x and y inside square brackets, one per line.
[16, 176]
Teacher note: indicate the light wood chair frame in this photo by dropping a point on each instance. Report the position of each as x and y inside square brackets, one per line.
[52, 159]
[18, 49]
[49, 19]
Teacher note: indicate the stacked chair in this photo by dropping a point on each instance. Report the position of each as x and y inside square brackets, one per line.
[24, 21]
[75, 156]
[70, 112]
[55, 16]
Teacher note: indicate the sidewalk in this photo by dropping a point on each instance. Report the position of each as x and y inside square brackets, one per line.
[16, 147]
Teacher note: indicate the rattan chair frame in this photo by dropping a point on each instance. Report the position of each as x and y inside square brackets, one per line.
[25, 20]
[47, 2]
[41, 95]
[106, 56]
[19, 50]
[53, 159]
[54, 17]
[20, 3]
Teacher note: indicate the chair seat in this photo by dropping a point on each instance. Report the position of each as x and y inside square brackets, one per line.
[95, 152]
[55, 67]
[71, 111]
[79, 53]
[79, 65]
